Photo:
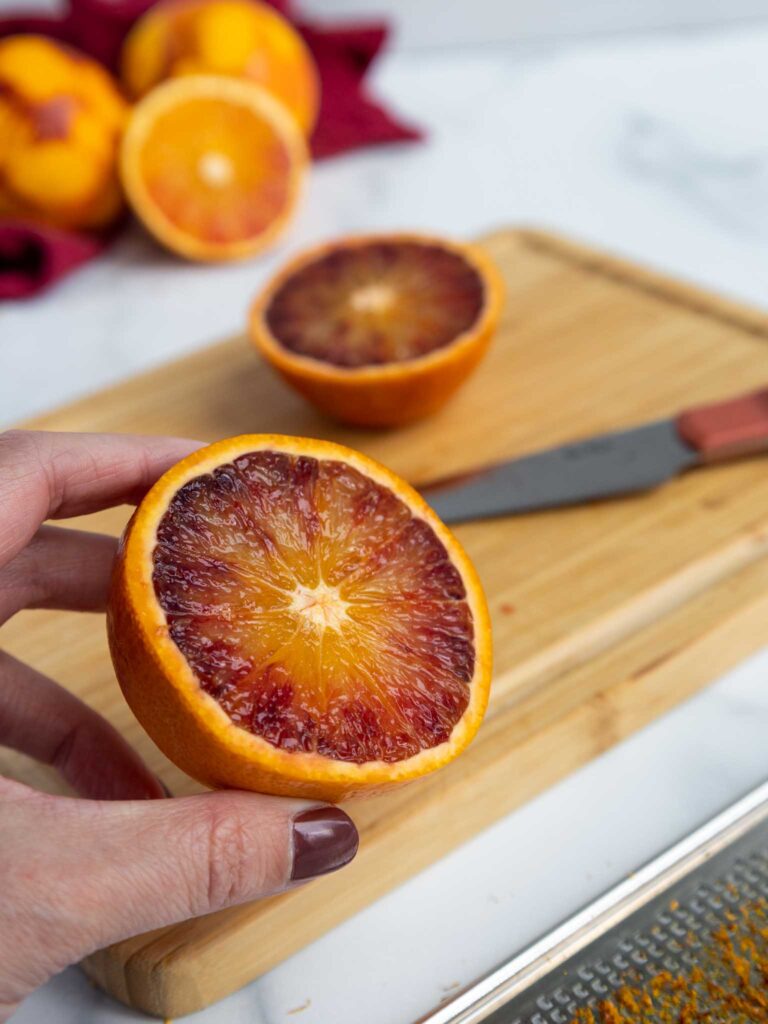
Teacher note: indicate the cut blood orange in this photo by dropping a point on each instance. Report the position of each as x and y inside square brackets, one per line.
[290, 617]
[379, 330]
[213, 166]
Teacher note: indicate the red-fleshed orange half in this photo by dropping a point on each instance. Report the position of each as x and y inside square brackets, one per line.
[288, 616]
[379, 330]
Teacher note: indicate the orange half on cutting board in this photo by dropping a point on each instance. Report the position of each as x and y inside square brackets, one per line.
[213, 166]
[379, 330]
[288, 616]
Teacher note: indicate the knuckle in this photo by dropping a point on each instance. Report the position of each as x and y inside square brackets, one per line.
[229, 871]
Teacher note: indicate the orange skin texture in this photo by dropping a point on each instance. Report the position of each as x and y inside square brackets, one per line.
[242, 38]
[386, 395]
[188, 725]
[61, 116]
[265, 141]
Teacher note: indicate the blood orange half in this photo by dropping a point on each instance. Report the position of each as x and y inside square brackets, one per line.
[289, 616]
[379, 330]
[213, 166]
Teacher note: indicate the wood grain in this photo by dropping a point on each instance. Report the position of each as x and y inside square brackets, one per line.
[604, 616]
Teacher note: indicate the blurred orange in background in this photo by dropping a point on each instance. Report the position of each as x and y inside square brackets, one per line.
[240, 38]
[215, 154]
[61, 116]
[213, 166]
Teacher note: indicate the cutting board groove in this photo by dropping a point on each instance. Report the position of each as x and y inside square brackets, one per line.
[604, 616]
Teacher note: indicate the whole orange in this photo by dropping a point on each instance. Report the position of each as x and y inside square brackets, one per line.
[61, 117]
[238, 38]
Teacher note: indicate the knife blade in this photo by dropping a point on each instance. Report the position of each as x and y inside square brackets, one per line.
[606, 466]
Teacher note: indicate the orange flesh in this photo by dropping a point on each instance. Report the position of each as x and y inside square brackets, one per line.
[217, 170]
[315, 608]
[378, 303]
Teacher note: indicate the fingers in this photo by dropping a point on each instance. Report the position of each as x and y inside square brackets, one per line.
[41, 719]
[59, 568]
[47, 475]
[105, 871]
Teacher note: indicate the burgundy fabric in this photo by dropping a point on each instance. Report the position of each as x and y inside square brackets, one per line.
[34, 257]
[348, 116]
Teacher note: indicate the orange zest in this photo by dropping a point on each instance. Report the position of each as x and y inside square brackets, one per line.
[241, 38]
[213, 166]
[379, 330]
[290, 617]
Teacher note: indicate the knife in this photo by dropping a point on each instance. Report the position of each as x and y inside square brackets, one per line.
[608, 465]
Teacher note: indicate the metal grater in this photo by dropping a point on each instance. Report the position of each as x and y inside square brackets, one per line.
[656, 920]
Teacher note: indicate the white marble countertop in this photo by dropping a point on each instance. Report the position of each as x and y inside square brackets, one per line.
[652, 146]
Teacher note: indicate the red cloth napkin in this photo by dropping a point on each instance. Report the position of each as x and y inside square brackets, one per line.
[34, 257]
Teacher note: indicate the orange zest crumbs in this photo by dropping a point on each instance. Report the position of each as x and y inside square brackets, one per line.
[729, 982]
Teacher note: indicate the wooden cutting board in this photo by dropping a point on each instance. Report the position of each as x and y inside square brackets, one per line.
[604, 616]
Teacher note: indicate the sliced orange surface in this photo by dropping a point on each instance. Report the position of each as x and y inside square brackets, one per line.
[212, 166]
[242, 38]
[379, 330]
[289, 616]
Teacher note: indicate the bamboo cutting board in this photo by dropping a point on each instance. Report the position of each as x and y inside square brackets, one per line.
[604, 616]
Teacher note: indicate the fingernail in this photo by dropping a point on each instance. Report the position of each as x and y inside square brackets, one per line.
[324, 840]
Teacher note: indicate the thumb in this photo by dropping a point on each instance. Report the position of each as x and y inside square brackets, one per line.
[167, 860]
[163, 861]
[84, 874]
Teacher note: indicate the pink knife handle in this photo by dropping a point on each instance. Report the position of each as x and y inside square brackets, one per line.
[727, 429]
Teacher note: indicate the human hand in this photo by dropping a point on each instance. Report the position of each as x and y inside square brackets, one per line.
[78, 874]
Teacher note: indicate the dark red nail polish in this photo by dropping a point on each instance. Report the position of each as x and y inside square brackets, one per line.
[324, 839]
